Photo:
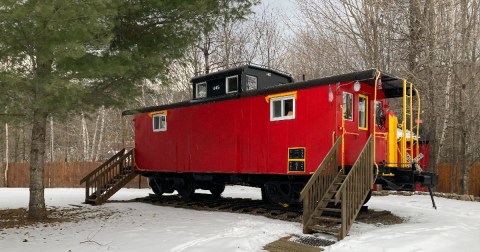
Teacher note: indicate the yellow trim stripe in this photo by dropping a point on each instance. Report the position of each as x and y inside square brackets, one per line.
[157, 112]
[268, 97]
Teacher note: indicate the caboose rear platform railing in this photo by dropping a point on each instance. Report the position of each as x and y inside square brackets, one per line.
[356, 187]
[319, 185]
[109, 177]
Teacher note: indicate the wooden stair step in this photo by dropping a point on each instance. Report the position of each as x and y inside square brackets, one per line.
[336, 210]
[333, 200]
[333, 230]
[328, 219]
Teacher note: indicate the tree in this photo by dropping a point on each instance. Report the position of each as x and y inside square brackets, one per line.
[64, 56]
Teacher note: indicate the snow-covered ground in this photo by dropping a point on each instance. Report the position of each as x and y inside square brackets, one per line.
[144, 227]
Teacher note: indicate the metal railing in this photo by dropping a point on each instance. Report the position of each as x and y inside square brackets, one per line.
[318, 185]
[354, 190]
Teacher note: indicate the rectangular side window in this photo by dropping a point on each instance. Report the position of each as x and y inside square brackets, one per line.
[159, 122]
[201, 90]
[282, 108]
[362, 112]
[251, 82]
[347, 106]
[380, 120]
[232, 84]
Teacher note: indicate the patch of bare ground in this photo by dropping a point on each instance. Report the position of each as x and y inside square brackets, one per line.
[379, 217]
[17, 218]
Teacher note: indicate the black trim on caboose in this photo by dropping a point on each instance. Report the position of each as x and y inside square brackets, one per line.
[391, 85]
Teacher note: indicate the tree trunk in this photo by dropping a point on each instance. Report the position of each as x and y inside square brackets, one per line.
[36, 206]
[52, 150]
[100, 137]
[6, 154]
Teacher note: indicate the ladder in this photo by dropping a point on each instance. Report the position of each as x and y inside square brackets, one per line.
[109, 177]
[333, 199]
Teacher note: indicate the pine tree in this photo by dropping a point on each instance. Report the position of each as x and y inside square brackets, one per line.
[65, 56]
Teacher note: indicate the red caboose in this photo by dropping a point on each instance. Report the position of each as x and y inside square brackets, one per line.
[256, 127]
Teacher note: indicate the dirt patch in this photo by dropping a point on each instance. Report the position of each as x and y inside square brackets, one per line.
[16, 218]
[379, 217]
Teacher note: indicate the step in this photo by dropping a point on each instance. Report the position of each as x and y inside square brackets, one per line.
[328, 219]
[333, 230]
[333, 201]
[336, 210]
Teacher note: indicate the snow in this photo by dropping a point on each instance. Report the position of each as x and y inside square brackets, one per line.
[144, 227]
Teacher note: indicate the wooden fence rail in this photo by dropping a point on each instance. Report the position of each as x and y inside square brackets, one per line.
[58, 174]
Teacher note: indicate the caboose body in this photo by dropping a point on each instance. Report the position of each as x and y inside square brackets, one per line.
[249, 126]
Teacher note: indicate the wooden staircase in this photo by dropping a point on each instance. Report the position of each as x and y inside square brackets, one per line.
[109, 177]
[331, 198]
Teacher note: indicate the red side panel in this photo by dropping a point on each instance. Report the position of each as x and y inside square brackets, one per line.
[237, 136]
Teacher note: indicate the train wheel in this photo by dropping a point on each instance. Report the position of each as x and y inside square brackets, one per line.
[187, 189]
[156, 187]
[277, 193]
[217, 189]
[368, 197]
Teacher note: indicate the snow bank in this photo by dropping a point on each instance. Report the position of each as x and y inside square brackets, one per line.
[143, 227]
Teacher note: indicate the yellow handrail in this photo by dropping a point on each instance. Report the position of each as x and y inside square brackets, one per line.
[377, 76]
[403, 144]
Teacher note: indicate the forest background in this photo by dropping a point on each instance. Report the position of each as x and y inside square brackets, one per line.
[434, 44]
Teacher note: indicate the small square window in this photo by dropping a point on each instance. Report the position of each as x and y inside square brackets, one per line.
[159, 122]
[201, 90]
[232, 84]
[282, 108]
[251, 82]
[347, 106]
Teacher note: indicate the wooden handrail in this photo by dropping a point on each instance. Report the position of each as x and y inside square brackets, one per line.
[119, 154]
[320, 168]
[109, 177]
[319, 184]
[114, 164]
[355, 188]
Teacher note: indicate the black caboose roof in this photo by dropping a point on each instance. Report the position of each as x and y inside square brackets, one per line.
[392, 87]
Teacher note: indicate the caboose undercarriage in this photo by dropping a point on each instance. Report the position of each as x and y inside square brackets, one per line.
[276, 189]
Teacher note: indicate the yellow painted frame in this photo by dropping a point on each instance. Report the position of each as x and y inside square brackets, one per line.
[292, 93]
[366, 112]
[157, 112]
[297, 159]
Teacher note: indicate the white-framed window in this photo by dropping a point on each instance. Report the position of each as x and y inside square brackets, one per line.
[251, 82]
[232, 84]
[201, 90]
[159, 122]
[362, 112]
[347, 106]
[282, 108]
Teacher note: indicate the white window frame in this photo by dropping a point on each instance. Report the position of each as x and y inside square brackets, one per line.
[196, 89]
[252, 77]
[227, 86]
[283, 117]
[160, 128]
[344, 107]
